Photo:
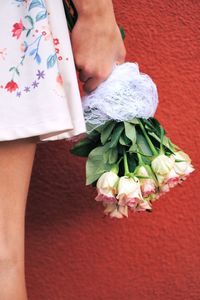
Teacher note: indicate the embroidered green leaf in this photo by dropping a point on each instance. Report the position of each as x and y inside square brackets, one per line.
[28, 32]
[37, 58]
[12, 69]
[17, 71]
[30, 19]
[41, 15]
[51, 60]
[35, 3]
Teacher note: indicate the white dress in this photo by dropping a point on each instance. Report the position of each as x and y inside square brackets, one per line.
[39, 93]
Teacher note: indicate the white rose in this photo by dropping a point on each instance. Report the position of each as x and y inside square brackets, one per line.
[162, 164]
[183, 167]
[147, 185]
[129, 192]
[142, 206]
[115, 210]
[107, 187]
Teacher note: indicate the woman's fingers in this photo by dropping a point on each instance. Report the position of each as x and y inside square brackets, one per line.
[93, 79]
[84, 76]
[91, 84]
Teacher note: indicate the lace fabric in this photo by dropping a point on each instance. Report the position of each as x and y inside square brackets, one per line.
[127, 93]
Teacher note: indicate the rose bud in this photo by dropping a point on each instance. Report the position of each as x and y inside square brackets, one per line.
[162, 164]
[129, 192]
[115, 210]
[168, 181]
[107, 187]
[147, 185]
[143, 206]
[183, 166]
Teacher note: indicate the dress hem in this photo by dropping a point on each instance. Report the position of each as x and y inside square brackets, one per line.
[46, 131]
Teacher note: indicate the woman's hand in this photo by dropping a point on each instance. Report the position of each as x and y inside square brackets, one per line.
[97, 44]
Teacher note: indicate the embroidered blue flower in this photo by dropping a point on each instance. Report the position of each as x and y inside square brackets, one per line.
[27, 89]
[18, 94]
[35, 84]
[40, 74]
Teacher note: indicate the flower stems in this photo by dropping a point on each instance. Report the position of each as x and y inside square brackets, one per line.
[126, 168]
[161, 140]
[115, 168]
[141, 163]
[153, 149]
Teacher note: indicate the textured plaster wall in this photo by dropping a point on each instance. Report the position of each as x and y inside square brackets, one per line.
[72, 252]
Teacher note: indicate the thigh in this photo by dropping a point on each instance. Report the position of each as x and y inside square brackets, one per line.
[16, 161]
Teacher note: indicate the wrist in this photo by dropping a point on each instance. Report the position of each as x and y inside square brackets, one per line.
[92, 9]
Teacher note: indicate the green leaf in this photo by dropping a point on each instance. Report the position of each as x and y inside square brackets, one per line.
[95, 165]
[98, 151]
[153, 125]
[116, 135]
[82, 148]
[133, 148]
[107, 130]
[71, 13]
[123, 140]
[143, 145]
[94, 169]
[106, 156]
[166, 141]
[113, 155]
[132, 163]
[89, 127]
[122, 32]
[134, 121]
[120, 148]
[99, 128]
[130, 131]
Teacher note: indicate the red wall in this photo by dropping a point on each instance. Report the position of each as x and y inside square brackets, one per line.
[72, 252]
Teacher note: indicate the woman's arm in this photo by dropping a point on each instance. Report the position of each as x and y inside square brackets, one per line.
[96, 41]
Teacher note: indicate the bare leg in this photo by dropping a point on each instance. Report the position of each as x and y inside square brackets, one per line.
[16, 161]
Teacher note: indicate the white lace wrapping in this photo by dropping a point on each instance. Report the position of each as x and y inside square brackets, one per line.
[125, 94]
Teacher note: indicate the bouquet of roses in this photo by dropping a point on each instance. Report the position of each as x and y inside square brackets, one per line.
[130, 159]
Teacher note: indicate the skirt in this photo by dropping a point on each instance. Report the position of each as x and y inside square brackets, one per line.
[39, 92]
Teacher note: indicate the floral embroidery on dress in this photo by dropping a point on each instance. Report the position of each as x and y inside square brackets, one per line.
[3, 53]
[30, 34]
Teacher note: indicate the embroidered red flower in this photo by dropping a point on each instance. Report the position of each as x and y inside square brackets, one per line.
[17, 29]
[11, 86]
[59, 79]
[56, 41]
